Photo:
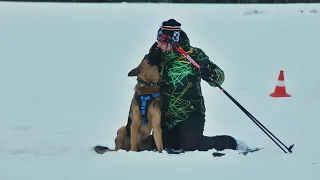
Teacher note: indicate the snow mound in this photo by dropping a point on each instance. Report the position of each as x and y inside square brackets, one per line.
[251, 11]
[313, 10]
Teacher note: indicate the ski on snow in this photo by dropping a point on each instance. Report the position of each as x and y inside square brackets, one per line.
[219, 154]
[103, 149]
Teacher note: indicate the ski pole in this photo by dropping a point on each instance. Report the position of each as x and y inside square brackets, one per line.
[259, 124]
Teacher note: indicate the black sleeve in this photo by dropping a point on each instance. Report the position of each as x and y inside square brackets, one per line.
[203, 60]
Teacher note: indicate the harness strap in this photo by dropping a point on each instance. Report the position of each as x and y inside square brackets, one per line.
[145, 101]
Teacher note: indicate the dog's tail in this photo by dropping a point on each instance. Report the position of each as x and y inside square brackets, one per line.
[102, 149]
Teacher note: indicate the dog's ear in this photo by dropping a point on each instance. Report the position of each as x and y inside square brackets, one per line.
[133, 72]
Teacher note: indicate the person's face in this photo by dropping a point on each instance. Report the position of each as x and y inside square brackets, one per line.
[164, 46]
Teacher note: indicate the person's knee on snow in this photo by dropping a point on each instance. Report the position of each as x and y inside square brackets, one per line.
[223, 142]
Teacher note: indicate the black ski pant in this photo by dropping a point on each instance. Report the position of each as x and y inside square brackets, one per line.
[188, 136]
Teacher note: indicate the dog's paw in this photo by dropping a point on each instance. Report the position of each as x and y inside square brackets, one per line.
[100, 149]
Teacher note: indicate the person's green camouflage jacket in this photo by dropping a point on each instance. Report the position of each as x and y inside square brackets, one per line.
[180, 83]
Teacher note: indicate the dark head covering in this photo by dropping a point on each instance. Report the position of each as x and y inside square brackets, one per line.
[170, 29]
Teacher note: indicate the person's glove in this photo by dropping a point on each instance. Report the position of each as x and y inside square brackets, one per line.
[154, 55]
[207, 74]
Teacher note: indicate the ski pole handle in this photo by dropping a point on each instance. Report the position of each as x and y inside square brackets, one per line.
[187, 56]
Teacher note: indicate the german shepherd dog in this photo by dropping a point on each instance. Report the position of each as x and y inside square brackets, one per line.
[144, 114]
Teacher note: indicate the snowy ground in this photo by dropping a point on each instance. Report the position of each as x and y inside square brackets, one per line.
[64, 88]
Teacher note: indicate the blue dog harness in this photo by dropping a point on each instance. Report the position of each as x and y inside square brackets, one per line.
[144, 102]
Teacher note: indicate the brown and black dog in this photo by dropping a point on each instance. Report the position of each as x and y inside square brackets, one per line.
[144, 114]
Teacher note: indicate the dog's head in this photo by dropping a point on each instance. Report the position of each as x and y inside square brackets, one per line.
[145, 71]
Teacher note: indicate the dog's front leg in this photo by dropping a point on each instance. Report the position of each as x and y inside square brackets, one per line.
[135, 124]
[156, 125]
[158, 137]
[134, 136]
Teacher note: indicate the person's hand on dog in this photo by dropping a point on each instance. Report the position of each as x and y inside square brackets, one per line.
[154, 54]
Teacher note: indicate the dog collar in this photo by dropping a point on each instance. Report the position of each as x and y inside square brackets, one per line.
[151, 84]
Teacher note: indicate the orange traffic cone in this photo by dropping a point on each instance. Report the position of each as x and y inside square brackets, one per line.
[280, 90]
